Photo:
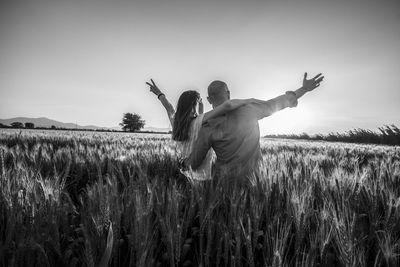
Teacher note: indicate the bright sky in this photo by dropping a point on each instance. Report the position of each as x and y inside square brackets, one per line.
[88, 61]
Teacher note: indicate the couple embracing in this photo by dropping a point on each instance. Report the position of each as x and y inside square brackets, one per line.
[230, 129]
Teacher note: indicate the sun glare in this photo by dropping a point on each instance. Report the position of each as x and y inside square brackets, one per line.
[287, 121]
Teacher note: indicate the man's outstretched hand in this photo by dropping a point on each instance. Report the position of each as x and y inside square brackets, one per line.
[313, 83]
[153, 87]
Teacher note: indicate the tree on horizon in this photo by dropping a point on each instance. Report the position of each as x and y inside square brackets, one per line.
[17, 124]
[29, 125]
[131, 122]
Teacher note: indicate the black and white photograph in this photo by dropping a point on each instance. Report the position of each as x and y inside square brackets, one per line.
[199, 133]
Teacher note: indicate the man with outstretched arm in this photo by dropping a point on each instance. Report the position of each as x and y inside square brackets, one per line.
[235, 137]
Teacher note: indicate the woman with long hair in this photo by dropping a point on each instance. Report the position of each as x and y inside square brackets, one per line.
[186, 122]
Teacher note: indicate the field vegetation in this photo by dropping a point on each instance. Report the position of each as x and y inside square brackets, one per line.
[387, 135]
[101, 199]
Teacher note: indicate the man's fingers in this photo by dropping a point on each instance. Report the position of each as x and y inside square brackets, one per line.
[317, 76]
[305, 75]
[149, 84]
[319, 80]
[154, 84]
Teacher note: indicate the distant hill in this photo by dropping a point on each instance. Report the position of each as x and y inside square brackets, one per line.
[155, 129]
[146, 129]
[46, 122]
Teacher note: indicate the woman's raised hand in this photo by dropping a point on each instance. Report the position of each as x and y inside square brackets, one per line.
[153, 88]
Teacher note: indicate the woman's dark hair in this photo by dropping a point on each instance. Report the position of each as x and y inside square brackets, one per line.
[184, 115]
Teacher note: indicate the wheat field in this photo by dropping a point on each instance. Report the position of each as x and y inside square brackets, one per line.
[118, 199]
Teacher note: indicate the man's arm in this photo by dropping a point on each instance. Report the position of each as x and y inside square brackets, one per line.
[226, 107]
[267, 108]
[199, 149]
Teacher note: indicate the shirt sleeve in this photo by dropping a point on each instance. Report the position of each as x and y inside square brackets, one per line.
[200, 148]
[264, 109]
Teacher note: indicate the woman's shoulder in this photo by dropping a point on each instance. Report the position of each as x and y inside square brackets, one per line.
[197, 122]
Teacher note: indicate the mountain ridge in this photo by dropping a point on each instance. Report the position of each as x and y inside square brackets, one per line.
[47, 123]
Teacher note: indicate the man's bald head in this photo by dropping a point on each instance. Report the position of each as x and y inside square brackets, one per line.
[218, 93]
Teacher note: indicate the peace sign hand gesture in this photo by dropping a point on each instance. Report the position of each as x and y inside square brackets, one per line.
[153, 88]
[313, 83]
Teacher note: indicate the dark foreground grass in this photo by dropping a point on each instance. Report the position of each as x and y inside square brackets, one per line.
[88, 199]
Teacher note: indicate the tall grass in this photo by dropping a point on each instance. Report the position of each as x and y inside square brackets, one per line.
[386, 135]
[89, 199]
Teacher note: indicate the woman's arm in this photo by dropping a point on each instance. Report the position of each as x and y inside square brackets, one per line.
[226, 107]
[201, 106]
[163, 99]
[168, 107]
